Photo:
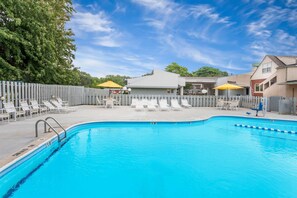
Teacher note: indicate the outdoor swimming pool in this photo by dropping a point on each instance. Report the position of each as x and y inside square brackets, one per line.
[211, 158]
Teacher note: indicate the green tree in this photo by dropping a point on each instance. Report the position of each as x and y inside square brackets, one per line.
[121, 80]
[35, 46]
[178, 69]
[207, 71]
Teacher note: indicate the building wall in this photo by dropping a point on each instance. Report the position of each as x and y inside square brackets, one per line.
[253, 82]
[292, 73]
[143, 91]
[241, 79]
[292, 91]
[258, 73]
[278, 89]
[275, 90]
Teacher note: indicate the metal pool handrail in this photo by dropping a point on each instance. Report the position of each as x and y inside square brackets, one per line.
[50, 127]
[51, 118]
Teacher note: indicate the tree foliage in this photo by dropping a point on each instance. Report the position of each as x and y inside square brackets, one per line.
[178, 69]
[207, 71]
[35, 46]
[121, 80]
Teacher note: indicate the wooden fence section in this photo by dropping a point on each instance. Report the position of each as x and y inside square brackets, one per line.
[16, 91]
[77, 95]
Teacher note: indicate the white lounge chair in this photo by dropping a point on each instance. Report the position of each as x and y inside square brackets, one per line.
[12, 110]
[51, 108]
[144, 102]
[109, 102]
[233, 105]
[175, 106]
[154, 102]
[99, 102]
[37, 107]
[134, 102]
[151, 106]
[139, 106]
[60, 107]
[117, 102]
[184, 103]
[163, 105]
[4, 115]
[63, 103]
[26, 108]
[220, 104]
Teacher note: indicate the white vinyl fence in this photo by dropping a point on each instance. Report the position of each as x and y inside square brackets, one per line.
[78, 95]
[16, 91]
[195, 101]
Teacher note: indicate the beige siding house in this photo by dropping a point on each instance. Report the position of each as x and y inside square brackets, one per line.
[242, 80]
[158, 83]
[275, 76]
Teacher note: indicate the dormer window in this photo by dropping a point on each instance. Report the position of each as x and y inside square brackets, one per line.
[266, 67]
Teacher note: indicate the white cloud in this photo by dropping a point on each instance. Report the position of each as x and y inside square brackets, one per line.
[271, 15]
[88, 22]
[101, 63]
[164, 7]
[291, 3]
[95, 26]
[207, 11]
[269, 18]
[111, 40]
[119, 8]
[280, 43]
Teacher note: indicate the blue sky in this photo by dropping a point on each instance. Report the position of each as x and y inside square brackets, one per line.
[133, 37]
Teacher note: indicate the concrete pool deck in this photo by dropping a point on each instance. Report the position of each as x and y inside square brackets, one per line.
[18, 135]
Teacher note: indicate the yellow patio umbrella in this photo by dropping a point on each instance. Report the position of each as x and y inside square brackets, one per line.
[228, 87]
[109, 84]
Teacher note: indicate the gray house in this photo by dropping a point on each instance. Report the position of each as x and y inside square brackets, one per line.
[158, 83]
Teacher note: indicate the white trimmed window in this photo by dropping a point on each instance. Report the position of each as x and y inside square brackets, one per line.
[258, 87]
[266, 67]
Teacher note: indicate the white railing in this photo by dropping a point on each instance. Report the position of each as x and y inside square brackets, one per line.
[78, 95]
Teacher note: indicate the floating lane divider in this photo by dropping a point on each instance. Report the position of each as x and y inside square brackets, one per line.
[265, 128]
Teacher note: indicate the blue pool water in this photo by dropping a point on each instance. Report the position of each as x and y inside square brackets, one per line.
[210, 158]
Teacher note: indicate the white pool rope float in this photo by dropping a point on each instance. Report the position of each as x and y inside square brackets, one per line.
[265, 128]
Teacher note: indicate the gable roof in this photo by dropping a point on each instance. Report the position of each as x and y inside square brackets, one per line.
[277, 60]
[159, 79]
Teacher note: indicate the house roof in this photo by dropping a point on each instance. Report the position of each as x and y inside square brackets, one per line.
[278, 61]
[159, 79]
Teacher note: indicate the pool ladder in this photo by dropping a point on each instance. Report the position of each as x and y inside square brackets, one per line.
[46, 124]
